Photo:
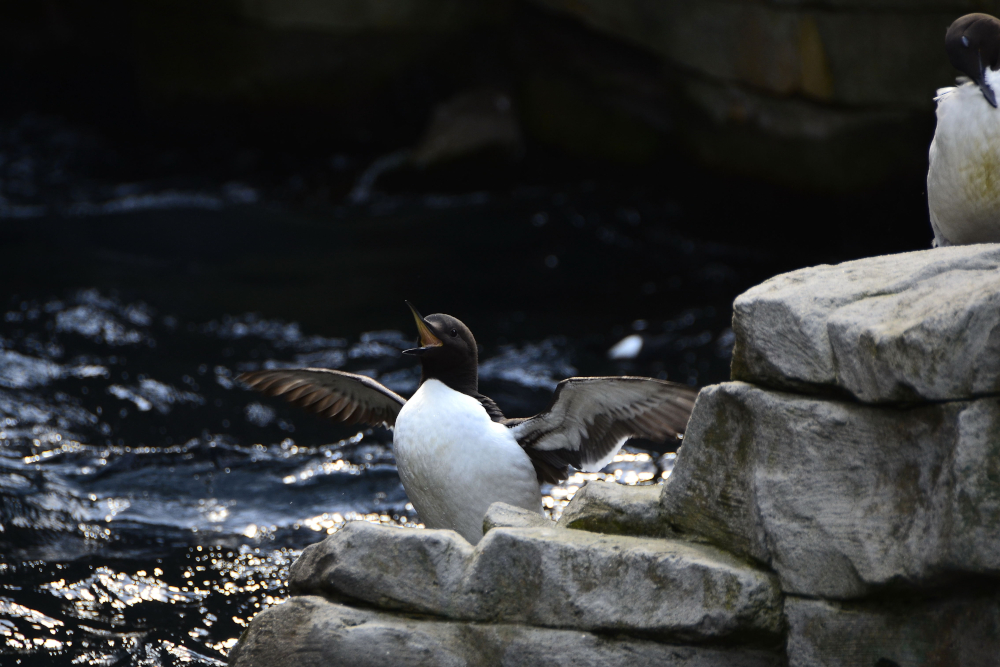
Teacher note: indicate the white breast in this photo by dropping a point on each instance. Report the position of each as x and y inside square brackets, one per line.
[455, 461]
[963, 182]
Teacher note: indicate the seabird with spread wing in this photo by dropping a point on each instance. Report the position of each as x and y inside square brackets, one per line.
[456, 452]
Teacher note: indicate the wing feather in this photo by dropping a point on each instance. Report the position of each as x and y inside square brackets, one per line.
[334, 394]
[591, 418]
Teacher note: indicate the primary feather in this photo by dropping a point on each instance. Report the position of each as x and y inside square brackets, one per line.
[340, 396]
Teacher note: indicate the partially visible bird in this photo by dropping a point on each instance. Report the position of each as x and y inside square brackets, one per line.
[963, 181]
[456, 452]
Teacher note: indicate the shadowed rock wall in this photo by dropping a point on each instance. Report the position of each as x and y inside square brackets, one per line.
[830, 95]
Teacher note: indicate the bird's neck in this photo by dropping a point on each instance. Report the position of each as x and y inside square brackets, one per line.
[460, 377]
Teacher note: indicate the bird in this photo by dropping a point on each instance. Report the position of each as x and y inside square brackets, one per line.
[456, 452]
[963, 179]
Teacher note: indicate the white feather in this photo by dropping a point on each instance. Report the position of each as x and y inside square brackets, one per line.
[455, 462]
[963, 182]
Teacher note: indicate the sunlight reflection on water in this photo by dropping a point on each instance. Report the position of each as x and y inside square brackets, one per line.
[150, 507]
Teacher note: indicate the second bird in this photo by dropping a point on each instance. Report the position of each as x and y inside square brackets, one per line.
[963, 181]
[456, 452]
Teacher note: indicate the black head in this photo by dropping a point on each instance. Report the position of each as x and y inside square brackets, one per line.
[973, 46]
[447, 351]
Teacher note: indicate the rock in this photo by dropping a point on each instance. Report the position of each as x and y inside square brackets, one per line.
[838, 498]
[312, 632]
[617, 509]
[474, 122]
[550, 577]
[574, 579]
[920, 326]
[799, 142]
[786, 49]
[781, 91]
[958, 631]
[502, 515]
[393, 568]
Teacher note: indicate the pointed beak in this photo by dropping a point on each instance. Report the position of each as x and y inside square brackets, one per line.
[988, 93]
[428, 341]
[984, 86]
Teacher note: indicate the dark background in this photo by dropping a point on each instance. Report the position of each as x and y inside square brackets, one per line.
[115, 99]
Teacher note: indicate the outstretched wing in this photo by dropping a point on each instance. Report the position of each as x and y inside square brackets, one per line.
[344, 397]
[591, 418]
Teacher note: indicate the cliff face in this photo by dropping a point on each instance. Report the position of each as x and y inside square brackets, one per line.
[837, 504]
[829, 95]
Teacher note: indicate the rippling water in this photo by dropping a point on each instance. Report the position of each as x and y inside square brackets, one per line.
[149, 506]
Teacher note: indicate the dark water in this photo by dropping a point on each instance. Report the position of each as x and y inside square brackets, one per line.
[149, 507]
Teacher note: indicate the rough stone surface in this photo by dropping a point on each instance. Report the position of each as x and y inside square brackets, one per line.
[661, 588]
[309, 631]
[393, 568]
[550, 577]
[617, 509]
[909, 327]
[958, 631]
[841, 498]
[502, 515]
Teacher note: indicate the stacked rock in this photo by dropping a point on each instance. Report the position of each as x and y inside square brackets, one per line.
[857, 455]
[838, 503]
[533, 593]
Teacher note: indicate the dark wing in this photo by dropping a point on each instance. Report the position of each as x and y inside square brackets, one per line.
[492, 409]
[344, 397]
[591, 418]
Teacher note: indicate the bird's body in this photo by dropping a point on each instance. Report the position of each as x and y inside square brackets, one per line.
[963, 180]
[456, 452]
[455, 461]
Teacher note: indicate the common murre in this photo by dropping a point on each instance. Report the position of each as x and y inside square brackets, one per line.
[456, 452]
[963, 181]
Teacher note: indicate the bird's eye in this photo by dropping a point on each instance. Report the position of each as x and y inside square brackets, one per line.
[965, 41]
[453, 332]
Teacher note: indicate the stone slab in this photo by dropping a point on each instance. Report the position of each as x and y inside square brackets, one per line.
[551, 577]
[919, 326]
[393, 568]
[668, 589]
[502, 515]
[310, 631]
[961, 631]
[840, 498]
[617, 509]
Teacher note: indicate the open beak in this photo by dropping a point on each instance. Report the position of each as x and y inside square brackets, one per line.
[428, 341]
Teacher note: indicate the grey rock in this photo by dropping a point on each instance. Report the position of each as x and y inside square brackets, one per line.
[839, 498]
[310, 631]
[393, 568]
[667, 589]
[617, 509]
[502, 515]
[550, 577]
[920, 326]
[958, 631]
